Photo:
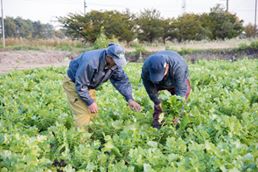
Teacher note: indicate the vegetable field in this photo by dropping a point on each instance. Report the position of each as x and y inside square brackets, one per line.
[218, 129]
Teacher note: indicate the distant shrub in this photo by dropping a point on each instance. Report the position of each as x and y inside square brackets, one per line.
[101, 41]
[254, 45]
[242, 46]
[184, 51]
[250, 30]
[139, 48]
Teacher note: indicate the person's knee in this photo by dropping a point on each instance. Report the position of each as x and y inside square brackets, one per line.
[82, 120]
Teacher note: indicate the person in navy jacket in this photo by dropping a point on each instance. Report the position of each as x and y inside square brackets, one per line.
[165, 70]
[87, 72]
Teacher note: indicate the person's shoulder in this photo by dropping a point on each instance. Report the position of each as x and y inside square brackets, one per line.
[93, 53]
[170, 53]
[145, 65]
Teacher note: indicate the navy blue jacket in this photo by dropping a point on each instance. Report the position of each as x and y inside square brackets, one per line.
[176, 78]
[89, 70]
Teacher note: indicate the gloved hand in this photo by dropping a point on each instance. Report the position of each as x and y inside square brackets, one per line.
[176, 121]
[156, 114]
[157, 109]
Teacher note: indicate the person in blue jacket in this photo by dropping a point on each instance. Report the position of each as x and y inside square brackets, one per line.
[87, 72]
[165, 70]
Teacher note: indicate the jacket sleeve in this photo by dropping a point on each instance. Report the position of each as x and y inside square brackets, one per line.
[82, 81]
[150, 89]
[180, 78]
[121, 82]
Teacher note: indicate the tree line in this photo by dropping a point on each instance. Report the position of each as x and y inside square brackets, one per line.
[25, 28]
[149, 26]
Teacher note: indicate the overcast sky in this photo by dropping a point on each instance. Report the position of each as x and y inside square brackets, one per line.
[47, 10]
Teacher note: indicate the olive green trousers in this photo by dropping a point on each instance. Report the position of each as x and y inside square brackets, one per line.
[82, 115]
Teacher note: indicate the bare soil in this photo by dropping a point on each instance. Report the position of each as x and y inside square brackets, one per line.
[18, 60]
[11, 60]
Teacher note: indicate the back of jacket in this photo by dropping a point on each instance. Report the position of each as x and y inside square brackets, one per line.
[89, 70]
[177, 75]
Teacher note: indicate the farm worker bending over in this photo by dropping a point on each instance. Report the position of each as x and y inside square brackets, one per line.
[165, 70]
[88, 71]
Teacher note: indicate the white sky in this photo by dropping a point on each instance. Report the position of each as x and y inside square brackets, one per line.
[47, 10]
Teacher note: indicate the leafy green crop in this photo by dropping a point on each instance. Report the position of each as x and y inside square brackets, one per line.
[218, 129]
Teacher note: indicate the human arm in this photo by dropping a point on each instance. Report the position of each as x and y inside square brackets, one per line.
[121, 82]
[82, 81]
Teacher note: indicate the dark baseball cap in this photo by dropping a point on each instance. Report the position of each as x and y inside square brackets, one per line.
[117, 52]
[157, 66]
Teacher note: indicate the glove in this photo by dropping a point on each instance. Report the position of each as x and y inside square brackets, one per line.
[156, 114]
[157, 109]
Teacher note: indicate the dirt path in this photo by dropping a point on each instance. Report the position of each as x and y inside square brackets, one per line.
[18, 60]
[11, 60]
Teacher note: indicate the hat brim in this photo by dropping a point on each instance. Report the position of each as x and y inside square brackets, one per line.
[156, 77]
[121, 62]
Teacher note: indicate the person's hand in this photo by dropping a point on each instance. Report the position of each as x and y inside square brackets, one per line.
[134, 106]
[176, 121]
[93, 108]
